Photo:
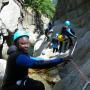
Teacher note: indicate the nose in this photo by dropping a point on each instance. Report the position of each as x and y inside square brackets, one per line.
[26, 45]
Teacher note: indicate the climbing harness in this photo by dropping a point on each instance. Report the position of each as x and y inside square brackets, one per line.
[84, 77]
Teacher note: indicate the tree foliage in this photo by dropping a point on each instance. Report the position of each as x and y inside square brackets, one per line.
[42, 6]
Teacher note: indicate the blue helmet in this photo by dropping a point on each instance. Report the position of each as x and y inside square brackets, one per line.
[19, 34]
[56, 34]
[67, 23]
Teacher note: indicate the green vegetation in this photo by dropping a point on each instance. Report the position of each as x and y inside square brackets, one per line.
[42, 6]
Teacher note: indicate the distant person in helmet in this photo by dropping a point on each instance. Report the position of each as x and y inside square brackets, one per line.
[18, 63]
[48, 31]
[54, 43]
[67, 31]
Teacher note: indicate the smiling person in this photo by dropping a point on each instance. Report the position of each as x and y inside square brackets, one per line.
[18, 63]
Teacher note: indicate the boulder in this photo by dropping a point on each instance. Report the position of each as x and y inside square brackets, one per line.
[39, 45]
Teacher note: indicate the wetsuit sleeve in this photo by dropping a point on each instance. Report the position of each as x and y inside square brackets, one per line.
[47, 63]
[38, 63]
[71, 32]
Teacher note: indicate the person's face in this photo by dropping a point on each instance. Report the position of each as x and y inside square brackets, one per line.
[23, 44]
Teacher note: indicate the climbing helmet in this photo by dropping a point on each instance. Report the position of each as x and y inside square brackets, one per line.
[19, 33]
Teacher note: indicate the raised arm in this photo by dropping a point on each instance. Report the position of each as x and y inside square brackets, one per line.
[38, 63]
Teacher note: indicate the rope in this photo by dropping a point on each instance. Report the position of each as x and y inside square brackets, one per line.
[84, 77]
[74, 48]
[78, 69]
[85, 85]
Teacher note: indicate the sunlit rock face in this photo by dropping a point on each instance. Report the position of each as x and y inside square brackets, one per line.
[2, 69]
[10, 13]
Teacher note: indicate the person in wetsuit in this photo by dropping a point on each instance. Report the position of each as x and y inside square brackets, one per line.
[68, 32]
[18, 63]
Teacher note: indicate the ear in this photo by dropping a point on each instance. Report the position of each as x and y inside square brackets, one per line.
[16, 43]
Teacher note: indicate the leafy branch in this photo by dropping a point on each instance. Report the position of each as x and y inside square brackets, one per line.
[42, 6]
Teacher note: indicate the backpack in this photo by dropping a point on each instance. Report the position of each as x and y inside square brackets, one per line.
[60, 37]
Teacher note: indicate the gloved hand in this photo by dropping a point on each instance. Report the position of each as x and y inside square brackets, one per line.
[18, 82]
[21, 82]
[75, 37]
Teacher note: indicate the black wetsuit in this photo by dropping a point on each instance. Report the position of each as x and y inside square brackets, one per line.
[69, 33]
[17, 70]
